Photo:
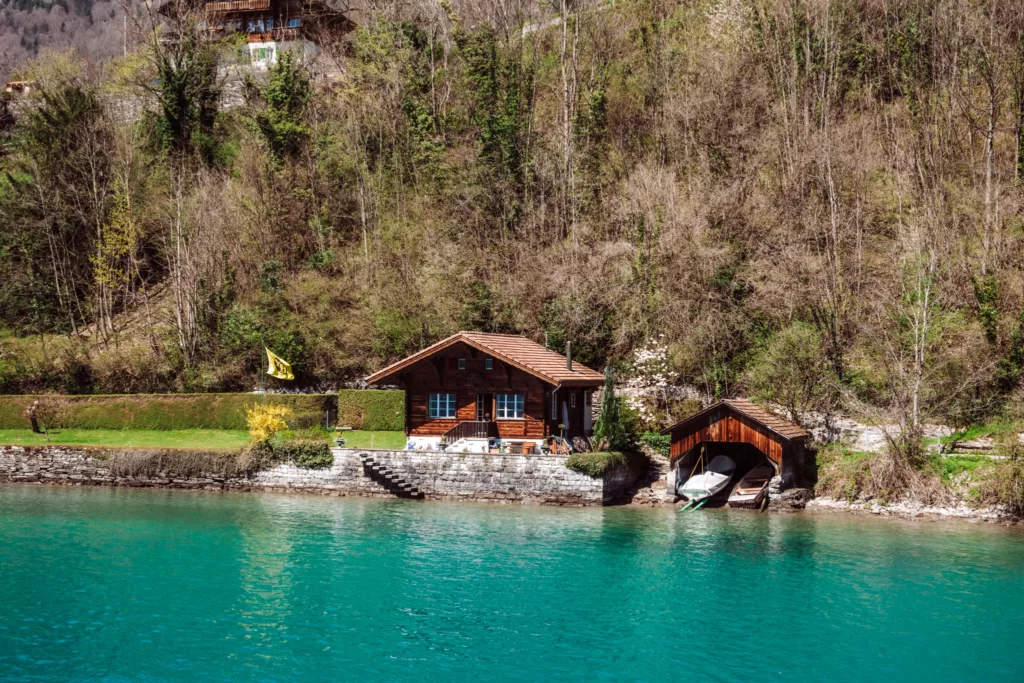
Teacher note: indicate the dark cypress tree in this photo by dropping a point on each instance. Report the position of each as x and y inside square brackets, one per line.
[610, 432]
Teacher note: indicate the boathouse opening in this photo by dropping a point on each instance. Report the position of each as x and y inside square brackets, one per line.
[743, 431]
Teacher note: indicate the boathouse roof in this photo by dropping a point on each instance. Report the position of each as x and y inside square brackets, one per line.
[770, 421]
[518, 351]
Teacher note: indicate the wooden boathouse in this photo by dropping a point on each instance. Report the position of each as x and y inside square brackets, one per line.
[745, 432]
[481, 389]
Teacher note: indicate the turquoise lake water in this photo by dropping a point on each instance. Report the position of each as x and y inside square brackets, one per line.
[172, 586]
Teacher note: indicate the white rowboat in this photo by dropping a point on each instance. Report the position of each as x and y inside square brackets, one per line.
[709, 482]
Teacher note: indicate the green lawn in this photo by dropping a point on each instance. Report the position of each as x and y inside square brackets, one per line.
[215, 439]
[384, 441]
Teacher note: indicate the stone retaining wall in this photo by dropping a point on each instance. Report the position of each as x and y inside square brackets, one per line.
[540, 479]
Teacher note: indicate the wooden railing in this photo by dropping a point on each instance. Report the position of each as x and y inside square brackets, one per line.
[279, 33]
[470, 430]
[236, 5]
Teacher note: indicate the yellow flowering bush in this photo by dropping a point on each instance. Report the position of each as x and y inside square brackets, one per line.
[266, 420]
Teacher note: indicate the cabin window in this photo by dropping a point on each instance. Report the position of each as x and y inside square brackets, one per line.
[488, 364]
[294, 22]
[269, 23]
[441, 406]
[572, 399]
[462, 364]
[510, 406]
[554, 405]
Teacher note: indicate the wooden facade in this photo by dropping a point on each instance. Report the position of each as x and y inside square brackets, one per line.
[726, 426]
[478, 376]
[741, 422]
[266, 20]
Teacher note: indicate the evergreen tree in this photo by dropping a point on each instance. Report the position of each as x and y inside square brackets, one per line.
[610, 431]
[280, 123]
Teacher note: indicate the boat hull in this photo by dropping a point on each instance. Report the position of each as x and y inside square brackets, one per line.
[752, 489]
[704, 486]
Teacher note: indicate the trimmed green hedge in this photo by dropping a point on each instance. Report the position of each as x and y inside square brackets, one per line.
[163, 411]
[372, 410]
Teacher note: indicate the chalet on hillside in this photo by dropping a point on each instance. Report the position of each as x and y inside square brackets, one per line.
[478, 389]
[269, 26]
[742, 430]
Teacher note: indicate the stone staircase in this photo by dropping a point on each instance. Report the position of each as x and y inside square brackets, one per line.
[387, 478]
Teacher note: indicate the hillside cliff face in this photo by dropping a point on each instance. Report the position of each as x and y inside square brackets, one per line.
[817, 202]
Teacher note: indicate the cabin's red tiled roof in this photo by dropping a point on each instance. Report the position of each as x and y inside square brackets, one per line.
[770, 420]
[513, 349]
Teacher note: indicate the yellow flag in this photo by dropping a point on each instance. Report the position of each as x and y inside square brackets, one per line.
[276, 367]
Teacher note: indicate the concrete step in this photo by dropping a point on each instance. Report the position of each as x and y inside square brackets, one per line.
[391, 480]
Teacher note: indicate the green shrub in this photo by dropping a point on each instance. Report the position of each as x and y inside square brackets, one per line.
[657, 442]
[600, 463]
[311, 453]
[167, 411]
[372, 410]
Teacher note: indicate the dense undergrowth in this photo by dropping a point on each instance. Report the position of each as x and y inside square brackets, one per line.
[976, 480]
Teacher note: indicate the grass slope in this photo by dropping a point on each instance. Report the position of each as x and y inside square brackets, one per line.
[206, 439]
[383, 441]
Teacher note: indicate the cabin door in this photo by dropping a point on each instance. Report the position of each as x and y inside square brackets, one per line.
[588, 411]
[484, 407]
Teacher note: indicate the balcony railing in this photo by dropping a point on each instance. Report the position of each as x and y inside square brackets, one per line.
[470, 430]
[236, 5]
[280, 33]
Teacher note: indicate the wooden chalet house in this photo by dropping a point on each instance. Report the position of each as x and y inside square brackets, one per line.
[269, 26]
[476, 392]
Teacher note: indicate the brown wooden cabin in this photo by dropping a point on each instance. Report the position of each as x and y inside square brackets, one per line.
[745, 432]
[269, 26]
[476, 385]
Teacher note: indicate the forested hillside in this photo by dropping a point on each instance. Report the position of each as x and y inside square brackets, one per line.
[28, 27]
[815, 201]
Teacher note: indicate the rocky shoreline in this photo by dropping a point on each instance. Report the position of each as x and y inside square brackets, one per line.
[914, 510]
[651, 491]
[802, 500]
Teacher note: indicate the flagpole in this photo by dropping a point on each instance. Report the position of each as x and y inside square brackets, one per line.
[263, 375]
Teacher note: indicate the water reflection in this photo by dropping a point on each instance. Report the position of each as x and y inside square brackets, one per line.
[263, 605]
[262, 587]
